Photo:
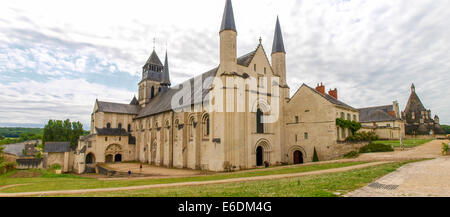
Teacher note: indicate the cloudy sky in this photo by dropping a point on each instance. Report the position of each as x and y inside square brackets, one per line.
[57, 57]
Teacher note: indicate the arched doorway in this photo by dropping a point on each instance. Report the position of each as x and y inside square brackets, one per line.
[298, 157]
[259, 156]
[118, 158]
[90, 159]
[109, 158]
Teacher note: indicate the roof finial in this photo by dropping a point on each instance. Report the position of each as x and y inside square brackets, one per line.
[260, 40]
[413, 88]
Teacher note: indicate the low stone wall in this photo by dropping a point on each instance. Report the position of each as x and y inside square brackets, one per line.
[29, 163]
[425, 137]
[342, 148]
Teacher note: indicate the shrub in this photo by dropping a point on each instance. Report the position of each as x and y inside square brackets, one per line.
[363, 136]
[55, 167]
[352, 154]
[375, 147]
[315, 157]
[6, 167]
[352, 125]
[445, 148]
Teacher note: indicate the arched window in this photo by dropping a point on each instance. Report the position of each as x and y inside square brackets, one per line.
[342, 115]
[349, 117]
[177, 129]
[129, 128]
[259, 121]
[108, 125]
[153, 92]
[354, 118]
[206, 126]
[119, 126]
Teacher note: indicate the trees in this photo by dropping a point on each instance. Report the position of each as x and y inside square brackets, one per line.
[63, 131]
[1, 137]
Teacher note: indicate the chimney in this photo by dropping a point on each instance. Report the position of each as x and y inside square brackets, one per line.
[333, 93]
[321, 88]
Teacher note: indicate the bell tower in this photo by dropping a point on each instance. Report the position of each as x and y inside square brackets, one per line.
[152, 79]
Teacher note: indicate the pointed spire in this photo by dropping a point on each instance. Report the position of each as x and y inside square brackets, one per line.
[166, 75]
[413, 88]
[278, 44]
[228, 18]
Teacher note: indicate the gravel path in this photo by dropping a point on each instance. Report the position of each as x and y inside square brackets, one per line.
[258, 178]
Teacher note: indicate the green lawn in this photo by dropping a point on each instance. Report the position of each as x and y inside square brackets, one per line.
[50, 181]
[408, 143]
[308, 186]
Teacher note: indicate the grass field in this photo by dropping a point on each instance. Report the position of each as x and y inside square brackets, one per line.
[408, 143]
[327, 185]
[46, 181]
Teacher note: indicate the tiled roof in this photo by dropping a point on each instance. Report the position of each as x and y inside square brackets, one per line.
[278, 44]
[110, 107]
[57, 147]
[246, 59]
[154, 59]
[376, 114]
[331, 99]
[111, 132]
[163, 102]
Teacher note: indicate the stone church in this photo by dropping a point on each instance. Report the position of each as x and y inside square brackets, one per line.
[236, 116]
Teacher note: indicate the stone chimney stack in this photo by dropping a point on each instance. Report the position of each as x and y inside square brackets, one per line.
[321, 88]
[333, 93]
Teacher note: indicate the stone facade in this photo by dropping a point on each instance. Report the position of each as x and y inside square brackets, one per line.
[254, 126]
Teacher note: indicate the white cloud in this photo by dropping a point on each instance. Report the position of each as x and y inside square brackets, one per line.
[370, 50]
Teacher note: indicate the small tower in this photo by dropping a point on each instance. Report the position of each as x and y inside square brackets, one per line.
[228, 36]
[152, 75]
[279, 54]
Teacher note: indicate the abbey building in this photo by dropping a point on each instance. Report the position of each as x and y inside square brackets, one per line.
[238, 115]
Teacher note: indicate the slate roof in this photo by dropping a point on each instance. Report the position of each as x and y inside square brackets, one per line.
[376, 114]
[57, 147]
[111, 132]
[163, 101]
[246, 59]
[134, 101]
[110, 107]
[278, 44]
[228, 17]
[331, 99]
[15, 149]
[154, 59]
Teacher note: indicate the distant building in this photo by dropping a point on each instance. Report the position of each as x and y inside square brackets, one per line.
[58, 153]
[385, 121]
[419, 121]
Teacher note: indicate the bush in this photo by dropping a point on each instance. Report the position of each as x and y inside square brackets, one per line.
[55, 167]
[445, 148]
[315, 157]
[6, 167]
[375, 147]
[363, 136]
[352, 154]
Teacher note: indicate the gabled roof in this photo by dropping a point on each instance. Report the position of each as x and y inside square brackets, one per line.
[57, 147]
[110, 107]
[377, 114]
[228, 18]
[278, 44]
[154, 59]
[329, 98]
[163, 102]
[246, 59]
[111, 132]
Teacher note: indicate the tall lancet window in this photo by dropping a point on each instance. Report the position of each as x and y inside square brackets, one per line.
[259, 121]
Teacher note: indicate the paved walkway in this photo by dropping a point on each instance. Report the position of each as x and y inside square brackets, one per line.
[245, 179]
[420, 179]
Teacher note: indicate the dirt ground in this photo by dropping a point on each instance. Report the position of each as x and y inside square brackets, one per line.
[25, 174]
[152, 170]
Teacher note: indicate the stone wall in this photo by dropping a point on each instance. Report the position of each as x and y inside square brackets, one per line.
[342, 148]
[29, 163]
